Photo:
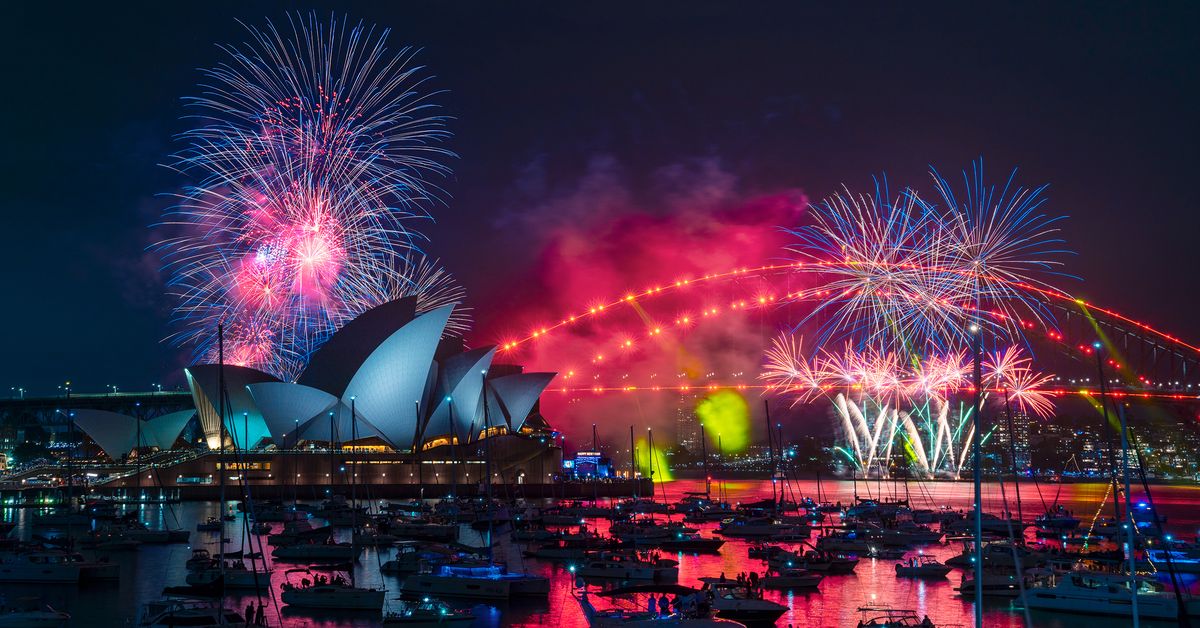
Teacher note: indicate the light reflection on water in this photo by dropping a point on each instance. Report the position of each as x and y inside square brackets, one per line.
[146, 571]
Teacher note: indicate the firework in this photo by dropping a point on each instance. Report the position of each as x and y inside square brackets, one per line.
[911, 275]
[882, 399]
[313, 154]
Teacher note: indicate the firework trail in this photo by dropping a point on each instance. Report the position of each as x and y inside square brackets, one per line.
[313, 153]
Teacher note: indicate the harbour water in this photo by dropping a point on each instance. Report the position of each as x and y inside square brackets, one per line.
[145, 571]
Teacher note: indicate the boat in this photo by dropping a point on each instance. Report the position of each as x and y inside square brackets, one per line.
[735, 602]
[998, 554]
[322, 592]
[299, 531]
[791, 579]
[427, 613]
[885, 617]
[1102, 593]
[626, 566]
[990, 524]
[260, 528]
[886, 553]
[47, 567]
[1056, 519]
[479, 581]
[235, 575]
[761, 527]
[844, 542]
[172, 613]
[814, 560]
[317, 552]
[921, 566]
[698, 613]
[425, 530]
[201, 559]
[997, 582]
[682, 542]
[211, 524]
[47, 617]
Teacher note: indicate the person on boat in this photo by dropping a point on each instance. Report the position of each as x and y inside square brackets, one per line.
[652, 605]
[926, 622]
[664, 606]
[249, 612]
[260, 615]
[753, 579]
[722, 576]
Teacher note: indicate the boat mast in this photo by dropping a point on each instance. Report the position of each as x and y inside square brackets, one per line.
[770, 451]
[704, 455]
[1131, 526]
[487, 455]
[221, 456]
[354, 529]
[633, 462]
[1108, 431]
[977, 457]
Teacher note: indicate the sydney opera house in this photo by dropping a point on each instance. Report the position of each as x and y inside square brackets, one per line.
[388, 400]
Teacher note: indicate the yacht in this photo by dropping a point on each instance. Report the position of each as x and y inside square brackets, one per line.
[761, 527]
[172, 613]
[998, 554]
[997, 582]
[629, 567]
[31, 617]
[884, 617]
[733, 601]
[1096, 593]
[303, 552]
[626, 618]
[481, 581]
[46, 567]
[236, 575]
[322, 592]
[1057, 518]
[921, 567]
[791, 579]
[427, 613]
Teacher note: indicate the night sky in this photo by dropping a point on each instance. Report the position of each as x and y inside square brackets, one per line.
[1100, 102]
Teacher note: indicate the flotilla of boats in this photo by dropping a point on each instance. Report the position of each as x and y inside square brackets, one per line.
[638, 554]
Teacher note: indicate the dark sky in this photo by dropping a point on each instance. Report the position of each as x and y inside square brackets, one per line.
[1099, 101]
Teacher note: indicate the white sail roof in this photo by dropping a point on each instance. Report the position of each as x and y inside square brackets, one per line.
[510, 398]
[391, 382]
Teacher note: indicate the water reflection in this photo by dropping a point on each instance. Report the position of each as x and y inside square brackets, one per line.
[145, 571]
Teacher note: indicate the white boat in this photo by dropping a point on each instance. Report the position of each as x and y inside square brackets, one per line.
[791, 579]
[320, 592]
[236, 576]
[629, 567]
[55, 567]
[732, 601]
[998, 554]
[1097, 593]
[482, 581]
[171, 613]
[761, 527]
[921, 567]
[627, 618]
